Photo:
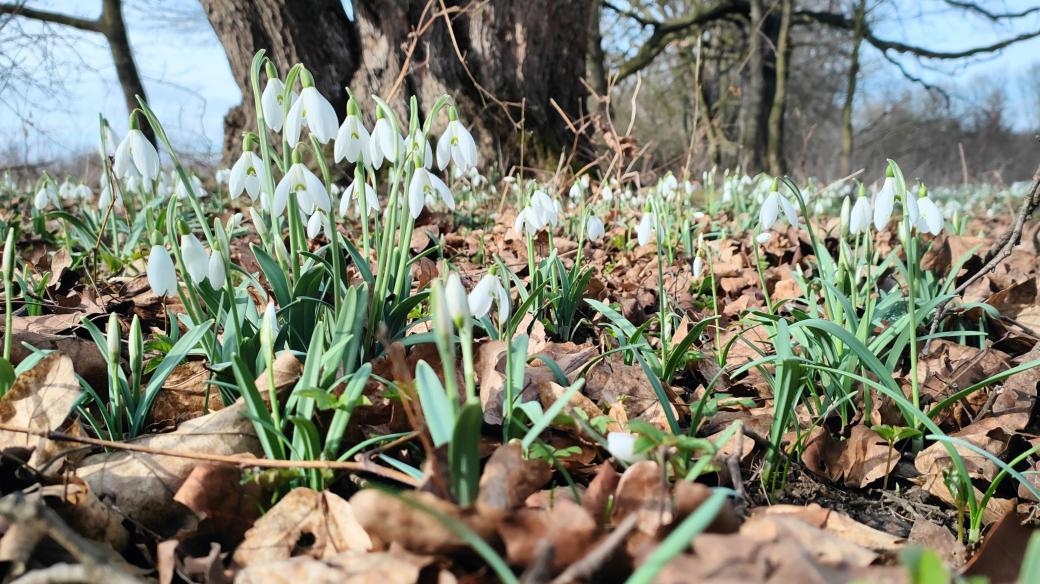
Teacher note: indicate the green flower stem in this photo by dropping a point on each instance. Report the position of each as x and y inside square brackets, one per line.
[8, 269]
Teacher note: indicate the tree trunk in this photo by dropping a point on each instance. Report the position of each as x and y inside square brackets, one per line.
[114, 28]
[775, 147]
[761, 86]
[845, 161]
[596, 61]
[315, 33]
[110, 25]
[530, 53]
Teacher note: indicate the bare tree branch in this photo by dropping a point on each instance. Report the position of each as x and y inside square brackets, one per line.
[884, 45]
[973, 7]
[665, 32]
[53, 17]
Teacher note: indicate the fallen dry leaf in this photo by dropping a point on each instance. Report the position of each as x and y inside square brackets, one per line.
[142, 485]
[388, 519]
[508, 478]
[40, 400]
[222, 504]
[351, 567]
[303, 523]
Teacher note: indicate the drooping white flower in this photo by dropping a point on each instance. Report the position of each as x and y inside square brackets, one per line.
[271, 103]
[318, 223]
[425, 183]
[46, 196]
[105, 198]
[309, 190]
[455, 299]
[911, 210]
[196, 260]
[456, 145]
[216, 272]
[351, 194]
[764, 238]
[548, 211]
[416, 143]
[316, 113]
[527, 221]
[770, 212]
[647, 225]
[269, 324]
[161, 275]
[594, 228]
[107, 141]
[352, 141]
[622, 446]
[384, 143]
[135, 156]
[245, 176]
[698, 266]
[884, 203]
[931, 218]
[859, 218]
[489, 289]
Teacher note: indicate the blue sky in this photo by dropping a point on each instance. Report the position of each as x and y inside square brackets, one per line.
[190, 86]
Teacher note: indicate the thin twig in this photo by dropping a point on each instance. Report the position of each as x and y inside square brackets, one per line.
[244, 461]
[996, 254]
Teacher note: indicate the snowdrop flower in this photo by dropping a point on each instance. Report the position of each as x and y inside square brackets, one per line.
[311, 110]
[308, 188]
[425, 183]
[859, 219]
[547, 210]
[456, 300]
[197, 187]
[161, 275]
[316, 224]
[46, 196]
[269, 324]
[764, 238]
[622, 446]
[930, 218]
[222, 176]
[245, 175]
[489, 289]
[885, 201]
[418, 143]
[352, 139]
[527, 221]
[384, 143]
[771, 207]
[106, 141]
[105, 198]
[196, 261]
[595, 228]
[647, 225]
[135, 156]
[576, 192]
[351, 193]
[698, 266]
[216, 273]
[456, 145]
[272, 102]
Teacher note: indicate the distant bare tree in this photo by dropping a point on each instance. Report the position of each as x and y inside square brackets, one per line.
[109, 24]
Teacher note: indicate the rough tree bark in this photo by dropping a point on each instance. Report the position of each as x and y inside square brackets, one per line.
[315, 33]
[112, 26]
[845, 161]
[761, 86]
[775, 143]
[530, 53]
